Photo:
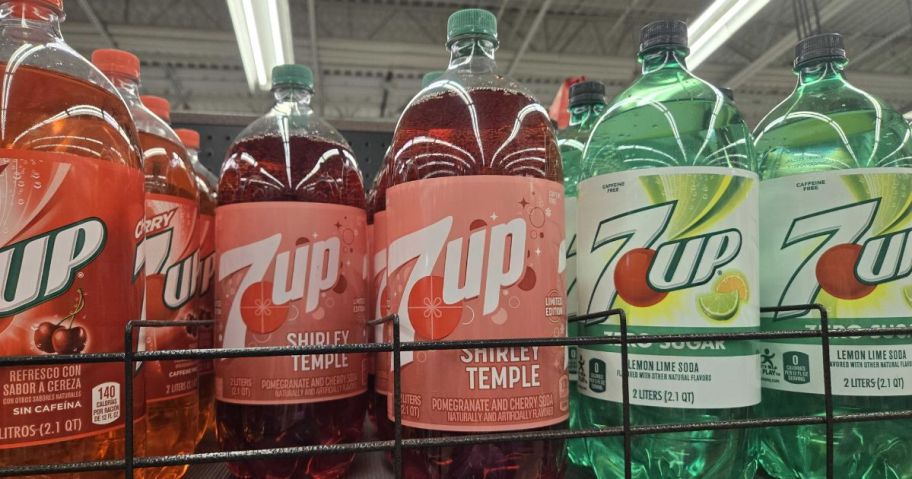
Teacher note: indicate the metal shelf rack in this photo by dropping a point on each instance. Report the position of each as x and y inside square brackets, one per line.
[627, 431]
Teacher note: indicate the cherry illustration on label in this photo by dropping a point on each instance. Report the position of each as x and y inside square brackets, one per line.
[630, 278]
[56, 338]
[430, 316]
[836, 272]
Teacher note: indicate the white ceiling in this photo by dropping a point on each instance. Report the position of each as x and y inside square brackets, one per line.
[375, 49]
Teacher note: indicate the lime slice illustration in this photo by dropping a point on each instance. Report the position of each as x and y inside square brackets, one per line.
[719, 306]
[702, 199]
[907, 293]
[733, 281]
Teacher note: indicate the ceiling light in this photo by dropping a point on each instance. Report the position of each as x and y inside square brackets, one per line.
[717, 24]
[263, 31]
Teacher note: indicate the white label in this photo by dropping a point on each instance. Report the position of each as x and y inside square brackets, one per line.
[840, 239]
[105, 403]
[676, 248]
[572, 305]
[671, 381]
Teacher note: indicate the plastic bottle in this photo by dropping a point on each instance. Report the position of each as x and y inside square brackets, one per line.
[70, 202]
[476, 172]
[586, 103]
[171, 265]
[836, 158]
[667, 225]
[161, 107]
[291, 210]
[206, 183]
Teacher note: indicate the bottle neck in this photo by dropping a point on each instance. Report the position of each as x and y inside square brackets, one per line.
[664, 58]
[581, 114]
[822, 72]
[292, 100]
[475, 54]
[30, 21]
[127, 87]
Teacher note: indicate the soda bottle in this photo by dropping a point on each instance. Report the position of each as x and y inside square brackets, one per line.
[171, 267]
[835, 161]
[161, 107]
[291, 262]
[206, 183]
[586, 104]
[476, 171]
[70, 207]
[381, 303]
[667, 222]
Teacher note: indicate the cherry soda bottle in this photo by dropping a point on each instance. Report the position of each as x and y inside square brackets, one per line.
[476, 236]
[206, 183]
[171, 267]
[291, 270]
[71, 204]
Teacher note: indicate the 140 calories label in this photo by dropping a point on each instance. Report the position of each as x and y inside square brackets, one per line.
[676, 248]
[290, 274]
[70, 279]
[481, 257]
[842, 239]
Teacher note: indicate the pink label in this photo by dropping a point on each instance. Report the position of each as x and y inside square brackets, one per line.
[206, 229]
[479, 257]
[290, 274]
[172, 278]
[380, 301]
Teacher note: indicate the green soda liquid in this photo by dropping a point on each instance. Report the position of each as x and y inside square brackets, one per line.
[675, 142]
[837, 156]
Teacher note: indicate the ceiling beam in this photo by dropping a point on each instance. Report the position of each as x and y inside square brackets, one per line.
[783, 45]
[97, 23]
[315, 54]
[878, 45]
[533, 29]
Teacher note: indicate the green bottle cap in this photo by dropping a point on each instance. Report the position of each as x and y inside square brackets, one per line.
[294, 75]
[430, 77]
[471, 22]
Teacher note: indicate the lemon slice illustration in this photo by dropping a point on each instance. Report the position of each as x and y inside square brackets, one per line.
[733, 281]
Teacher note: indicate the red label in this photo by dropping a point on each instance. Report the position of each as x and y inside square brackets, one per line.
[172, 277]
[380, 303]
[290, 274]
[206, 228]
[71, 277]
[479, 258]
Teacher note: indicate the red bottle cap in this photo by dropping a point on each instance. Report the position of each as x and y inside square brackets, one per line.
[116, 62]
[30, 9]
[190, 138]
[158, 105]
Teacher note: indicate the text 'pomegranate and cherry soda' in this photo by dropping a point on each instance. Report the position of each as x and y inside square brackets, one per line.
[475, 227]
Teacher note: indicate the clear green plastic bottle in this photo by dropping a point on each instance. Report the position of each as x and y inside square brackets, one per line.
[587, 102]
[667, 225]
[835, 206]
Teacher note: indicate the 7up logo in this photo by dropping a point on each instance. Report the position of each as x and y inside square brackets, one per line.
[838, 261]
[42, 267]
[643, 273]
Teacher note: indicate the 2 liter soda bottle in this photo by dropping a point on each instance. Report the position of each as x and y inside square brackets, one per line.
[475, 232]
[667, 222]
[71, 220]
[291, 262]
[171, 253]
[836, 187]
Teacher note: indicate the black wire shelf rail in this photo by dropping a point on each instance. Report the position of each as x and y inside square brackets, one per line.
[626, 430]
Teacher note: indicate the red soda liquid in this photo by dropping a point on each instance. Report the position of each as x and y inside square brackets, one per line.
[206, 308]
[532, 152]
[32, 97]
[172, 423]
[238, 426]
